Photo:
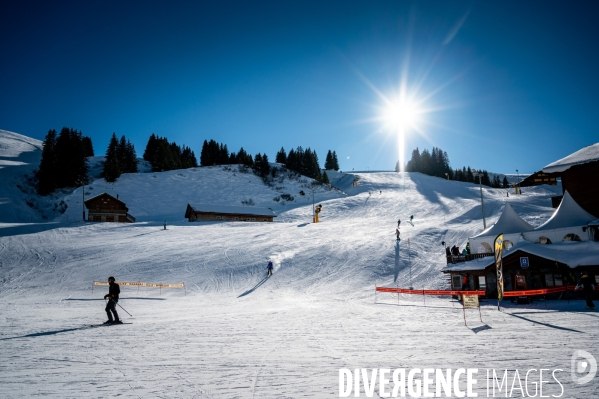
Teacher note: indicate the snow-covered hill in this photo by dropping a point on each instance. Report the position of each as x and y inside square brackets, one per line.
[238, 335]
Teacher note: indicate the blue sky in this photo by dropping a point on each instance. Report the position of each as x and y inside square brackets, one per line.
[505, 85]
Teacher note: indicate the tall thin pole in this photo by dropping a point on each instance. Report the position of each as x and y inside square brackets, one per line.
[410, 263]
[83, 201]
[518, 174]
[313, 213]
[480, 182]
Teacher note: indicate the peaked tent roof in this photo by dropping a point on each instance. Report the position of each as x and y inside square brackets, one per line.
[567, 214]
[509, 222]
[585, 155]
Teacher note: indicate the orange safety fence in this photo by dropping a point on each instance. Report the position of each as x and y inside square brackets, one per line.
[140, 284]
[429, 292]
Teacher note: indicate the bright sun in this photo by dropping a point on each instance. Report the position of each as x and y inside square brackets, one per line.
[402, 114]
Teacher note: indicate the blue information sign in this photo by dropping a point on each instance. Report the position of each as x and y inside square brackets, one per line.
[524, 261]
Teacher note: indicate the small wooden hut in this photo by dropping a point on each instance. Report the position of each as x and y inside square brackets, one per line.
[106, 208]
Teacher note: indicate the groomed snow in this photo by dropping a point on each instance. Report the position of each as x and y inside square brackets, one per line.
[237, 335]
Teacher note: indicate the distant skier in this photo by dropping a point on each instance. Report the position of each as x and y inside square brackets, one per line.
[397, 234]
[411, 220]
[398, 223]
[588, 288]
[165, 225]
[269, 268]
[113, 299]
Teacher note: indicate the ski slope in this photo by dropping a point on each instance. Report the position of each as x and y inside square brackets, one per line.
[236, 334]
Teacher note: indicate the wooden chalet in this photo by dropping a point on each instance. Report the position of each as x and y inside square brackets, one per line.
[210, 212]
[579, 173]
[538, 178]
[106, 208]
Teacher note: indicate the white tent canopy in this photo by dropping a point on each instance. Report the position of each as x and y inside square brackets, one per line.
[509, 224]
[568, 214]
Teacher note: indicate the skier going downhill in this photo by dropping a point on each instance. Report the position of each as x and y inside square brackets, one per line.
[398, 223]
[412, 220]
[269, 268]
[588, 288]
[113, 299]
[397, 234]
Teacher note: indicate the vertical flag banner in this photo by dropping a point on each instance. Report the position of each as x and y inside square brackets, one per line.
[499, 266]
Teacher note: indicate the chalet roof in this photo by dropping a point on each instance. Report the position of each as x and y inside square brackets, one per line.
[568, 214]
[509, 222]
[585, 155]
[571, 253]
[104, 193]
[230, 210]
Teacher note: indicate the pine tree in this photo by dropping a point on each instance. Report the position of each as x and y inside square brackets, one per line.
[469, 175]
[281, 156]
[88, 148]
[505, 182]
[46, 174]
[71, 163]
[111, 169]
[397, 166]
[335, 161]
[329, 163]
[325, 178]
[485, 180]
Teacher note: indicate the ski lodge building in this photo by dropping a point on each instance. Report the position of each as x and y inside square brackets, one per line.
[579, 173]
[553, 254]
[209, 212]
[105, 208]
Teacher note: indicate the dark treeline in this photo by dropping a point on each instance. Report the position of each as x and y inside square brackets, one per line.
[164, 156]
[120, 158]
[304, 162]
[436, 163]
[64, 160]
[214, 153]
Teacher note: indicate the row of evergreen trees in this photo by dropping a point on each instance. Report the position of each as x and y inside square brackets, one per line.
[164, 156]
[120, 158]
[214, 153]
[436, 163]
[64, 160]
[302, 161]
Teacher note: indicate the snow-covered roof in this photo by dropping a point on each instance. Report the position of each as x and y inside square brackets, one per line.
[100, 195]
[585, 155]
[232, 210]
[568, 214]
[571, 253]
[509, 222]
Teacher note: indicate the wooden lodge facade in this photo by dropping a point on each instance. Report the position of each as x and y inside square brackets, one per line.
[579, 173]
[581, 183]
[208, 213]
[106, 208]
[536, 272]
[538, 178]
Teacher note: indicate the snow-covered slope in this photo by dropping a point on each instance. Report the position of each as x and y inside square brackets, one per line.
[238, 335]
[19, 157]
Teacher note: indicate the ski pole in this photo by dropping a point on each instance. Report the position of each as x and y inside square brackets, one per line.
[124, 309]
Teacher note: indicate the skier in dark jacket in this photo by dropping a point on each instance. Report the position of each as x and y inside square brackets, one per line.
[113, 299]
[587, 288]
[269, 268]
